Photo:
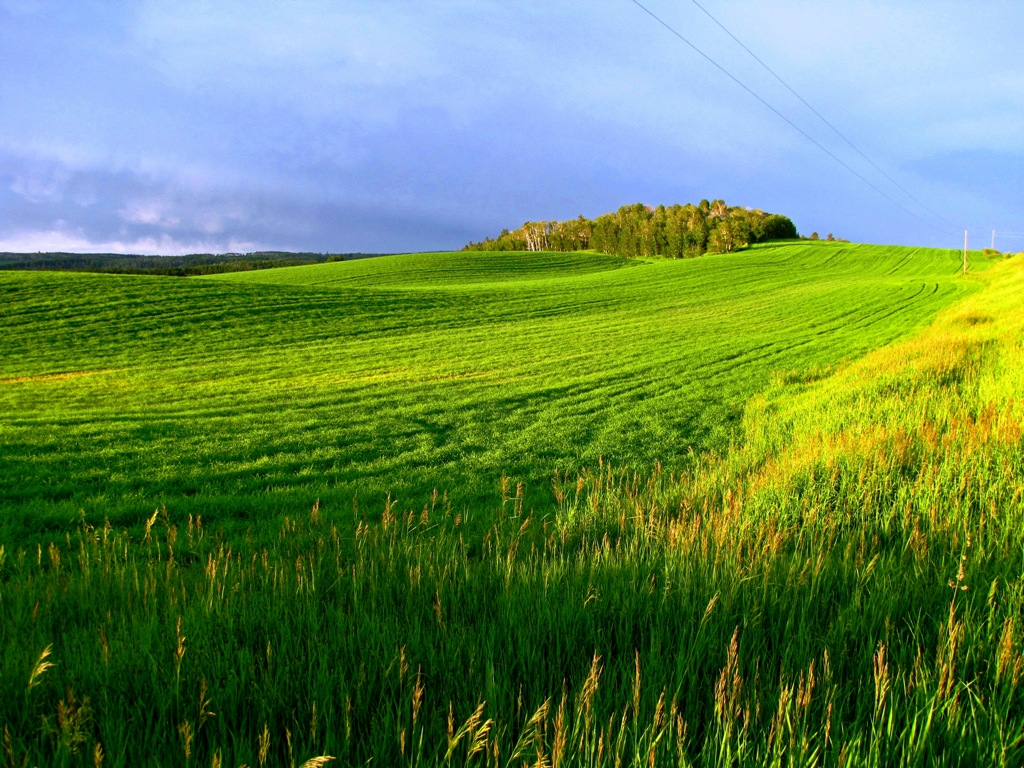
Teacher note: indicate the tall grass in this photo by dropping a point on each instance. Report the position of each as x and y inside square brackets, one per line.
[842, 587]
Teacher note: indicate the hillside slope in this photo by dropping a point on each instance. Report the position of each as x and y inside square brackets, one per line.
[248, 396]
[840, 587]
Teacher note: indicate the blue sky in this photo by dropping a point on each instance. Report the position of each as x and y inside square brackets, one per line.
[405, 125]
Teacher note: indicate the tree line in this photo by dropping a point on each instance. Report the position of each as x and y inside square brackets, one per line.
[177, 266]
[677, 231]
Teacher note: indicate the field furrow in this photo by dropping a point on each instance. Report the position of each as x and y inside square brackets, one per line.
[272, 388]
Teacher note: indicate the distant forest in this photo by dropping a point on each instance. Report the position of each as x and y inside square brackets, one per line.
[678, 231]
[183, 266]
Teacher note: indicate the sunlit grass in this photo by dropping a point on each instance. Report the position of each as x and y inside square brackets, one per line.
[244, 398]
[842, 584]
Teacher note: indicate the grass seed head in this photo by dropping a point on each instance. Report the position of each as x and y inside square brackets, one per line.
[264, 745]
[187, 734]
[149, 524]
[317, 762]
[40, 668]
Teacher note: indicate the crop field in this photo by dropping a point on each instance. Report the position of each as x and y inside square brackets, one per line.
[763, 509]
[245, 398]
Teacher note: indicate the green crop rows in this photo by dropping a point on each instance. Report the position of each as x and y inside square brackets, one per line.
[250, 396]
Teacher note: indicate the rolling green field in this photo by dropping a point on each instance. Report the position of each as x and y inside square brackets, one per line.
[764, 509]
[246, 397]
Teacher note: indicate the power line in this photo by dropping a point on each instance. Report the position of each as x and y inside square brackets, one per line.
[793, 125]
[821, 117]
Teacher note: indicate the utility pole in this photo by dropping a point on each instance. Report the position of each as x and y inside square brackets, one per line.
[965, 251]
[993, 239]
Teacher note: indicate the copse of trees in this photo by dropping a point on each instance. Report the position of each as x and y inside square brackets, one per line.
[677, 231]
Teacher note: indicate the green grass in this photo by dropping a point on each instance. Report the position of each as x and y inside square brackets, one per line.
[443, 270]
[246, 397]
[842, 585]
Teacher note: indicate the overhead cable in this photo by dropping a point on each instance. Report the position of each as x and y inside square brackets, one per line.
[793, 125]
[821, 117]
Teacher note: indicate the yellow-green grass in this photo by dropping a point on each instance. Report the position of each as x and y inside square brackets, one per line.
[246, 397]
[843, 586]
[449, 270]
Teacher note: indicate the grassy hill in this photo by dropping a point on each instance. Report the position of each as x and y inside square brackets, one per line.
[832, 576]
[245, 397]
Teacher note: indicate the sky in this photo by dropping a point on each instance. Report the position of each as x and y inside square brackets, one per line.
[342, 126]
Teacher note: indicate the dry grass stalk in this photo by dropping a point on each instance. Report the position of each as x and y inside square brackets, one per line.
[317, 762]
[264, 745]
[417, 695]
[187, 734]
[149, 524]
[40, 668]
[589, 690]
[729, 689]
[881, 676]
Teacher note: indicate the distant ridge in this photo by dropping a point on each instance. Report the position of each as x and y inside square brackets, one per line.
[182, 266]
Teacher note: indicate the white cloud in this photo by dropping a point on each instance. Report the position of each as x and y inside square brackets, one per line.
[41, 187]
[71, 241]
[149, 213]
